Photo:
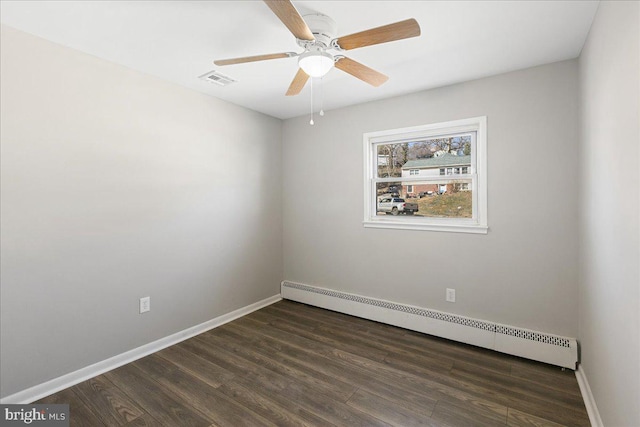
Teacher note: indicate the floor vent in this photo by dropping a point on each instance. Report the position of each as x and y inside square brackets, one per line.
[540, 346]
[217, 78]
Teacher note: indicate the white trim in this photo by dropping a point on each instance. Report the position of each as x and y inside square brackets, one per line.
[587, 396]
[534, 345]
[481, 171]
[444, 179]
[406, 225]
[478, 224]
[65, 381]
[429, 130]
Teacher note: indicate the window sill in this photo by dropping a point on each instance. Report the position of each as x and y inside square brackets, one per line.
[416, 225]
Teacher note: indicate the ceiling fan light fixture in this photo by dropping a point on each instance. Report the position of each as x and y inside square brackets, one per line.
[316, 63]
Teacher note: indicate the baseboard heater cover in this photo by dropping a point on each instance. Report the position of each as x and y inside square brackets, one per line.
[534, 345]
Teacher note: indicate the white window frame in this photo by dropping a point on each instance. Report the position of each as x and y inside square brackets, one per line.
[477, 174]
[413, 172]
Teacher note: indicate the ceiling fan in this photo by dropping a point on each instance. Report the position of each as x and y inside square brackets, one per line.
[316, 34]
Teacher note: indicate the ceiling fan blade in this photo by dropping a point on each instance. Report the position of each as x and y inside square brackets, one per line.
[290, 17]
[298, 83]
[253, 58]
[362, 72]
[387, 33]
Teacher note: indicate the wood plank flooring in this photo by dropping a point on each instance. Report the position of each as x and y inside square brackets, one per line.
[290, 364]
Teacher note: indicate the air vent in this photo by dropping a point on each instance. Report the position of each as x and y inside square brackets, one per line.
[217, 78]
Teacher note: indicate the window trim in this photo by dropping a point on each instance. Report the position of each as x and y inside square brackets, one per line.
[478, 224]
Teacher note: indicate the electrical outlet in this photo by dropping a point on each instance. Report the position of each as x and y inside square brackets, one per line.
[145, 304]
[451, 295]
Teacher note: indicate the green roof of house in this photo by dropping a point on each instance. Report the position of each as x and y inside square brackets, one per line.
[446, 159]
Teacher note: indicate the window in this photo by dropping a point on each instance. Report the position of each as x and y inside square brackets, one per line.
[441, 166]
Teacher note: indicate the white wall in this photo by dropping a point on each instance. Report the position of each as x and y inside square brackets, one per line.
[117, 185]
[524, 272]
[609, 329]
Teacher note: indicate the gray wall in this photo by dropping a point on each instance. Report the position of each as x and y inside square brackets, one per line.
[117, 185]
[524, 272]
[610, 282]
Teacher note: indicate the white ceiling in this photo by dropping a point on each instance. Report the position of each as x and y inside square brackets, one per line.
[178, 41]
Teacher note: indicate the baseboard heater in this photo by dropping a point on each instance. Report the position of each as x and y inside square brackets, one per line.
[534, 345]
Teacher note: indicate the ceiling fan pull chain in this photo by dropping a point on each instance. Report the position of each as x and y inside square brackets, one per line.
[321, 98]
[311, 121]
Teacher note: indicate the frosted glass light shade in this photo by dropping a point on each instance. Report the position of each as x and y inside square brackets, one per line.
[316, 63]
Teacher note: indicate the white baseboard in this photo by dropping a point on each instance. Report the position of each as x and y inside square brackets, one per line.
[587, 396]
[540, 346]
[52, 386]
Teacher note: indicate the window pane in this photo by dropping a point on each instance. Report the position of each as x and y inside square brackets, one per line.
[441, 199]
[425, 156]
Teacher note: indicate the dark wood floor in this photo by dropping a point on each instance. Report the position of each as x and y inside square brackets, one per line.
[291, 364]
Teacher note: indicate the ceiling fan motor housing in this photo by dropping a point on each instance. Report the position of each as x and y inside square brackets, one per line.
[324, 29]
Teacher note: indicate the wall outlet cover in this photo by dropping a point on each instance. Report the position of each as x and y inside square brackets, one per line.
[145, 304]
[451, 295]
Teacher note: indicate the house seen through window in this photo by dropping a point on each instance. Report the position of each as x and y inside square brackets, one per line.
[429, 177]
